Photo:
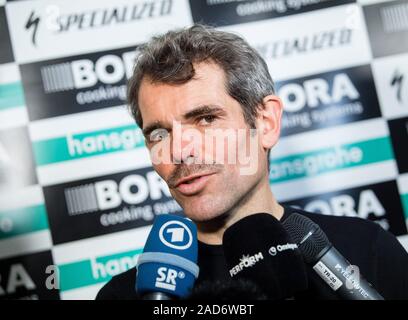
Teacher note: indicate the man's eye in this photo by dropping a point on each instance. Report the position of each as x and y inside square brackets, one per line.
[158, 135]
[205, 120]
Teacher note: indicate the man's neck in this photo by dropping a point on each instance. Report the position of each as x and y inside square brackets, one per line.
[259, 200]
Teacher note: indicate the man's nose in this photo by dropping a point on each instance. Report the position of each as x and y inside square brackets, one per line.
[186, 145]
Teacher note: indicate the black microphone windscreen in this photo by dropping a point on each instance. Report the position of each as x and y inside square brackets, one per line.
[308, 235]
[258, 248]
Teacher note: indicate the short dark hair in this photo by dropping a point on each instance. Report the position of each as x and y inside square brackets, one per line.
[169, 58]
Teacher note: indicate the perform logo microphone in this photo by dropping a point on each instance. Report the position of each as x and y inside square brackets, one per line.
[257, 248]
[167, 268]
[327, 262]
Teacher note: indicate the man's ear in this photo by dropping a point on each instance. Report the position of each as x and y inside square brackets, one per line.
[269, 121]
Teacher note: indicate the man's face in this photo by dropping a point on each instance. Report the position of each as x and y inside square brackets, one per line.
[214, 181]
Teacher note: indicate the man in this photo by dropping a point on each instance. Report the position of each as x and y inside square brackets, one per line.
[193, 85]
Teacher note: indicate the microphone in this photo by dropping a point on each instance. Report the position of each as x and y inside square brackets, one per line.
[327, 262]
[167, 268]
[259, 249]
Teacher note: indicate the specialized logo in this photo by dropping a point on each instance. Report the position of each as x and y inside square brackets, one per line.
[392, 86]
[397, 83]
[175, 234]
[32, 23]
[246, 261]
[167, 278]
[60, 23]
[305, 44]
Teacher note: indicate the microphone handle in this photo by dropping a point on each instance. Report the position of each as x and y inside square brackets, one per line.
[157, 296]
[344, 278]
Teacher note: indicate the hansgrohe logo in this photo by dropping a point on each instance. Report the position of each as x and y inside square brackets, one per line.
[104, 142]
[330, 159]
[110, 268]
[83, 145]
[314, 163]
[96, 270]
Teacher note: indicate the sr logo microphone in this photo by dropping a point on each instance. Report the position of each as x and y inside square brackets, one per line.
[167, 268]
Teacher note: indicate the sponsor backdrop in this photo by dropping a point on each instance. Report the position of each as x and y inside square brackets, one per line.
[77, 190]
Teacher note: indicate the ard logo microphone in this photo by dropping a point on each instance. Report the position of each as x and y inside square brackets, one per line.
[167, 268]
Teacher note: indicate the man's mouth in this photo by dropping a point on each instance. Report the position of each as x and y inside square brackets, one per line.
[192, 184]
